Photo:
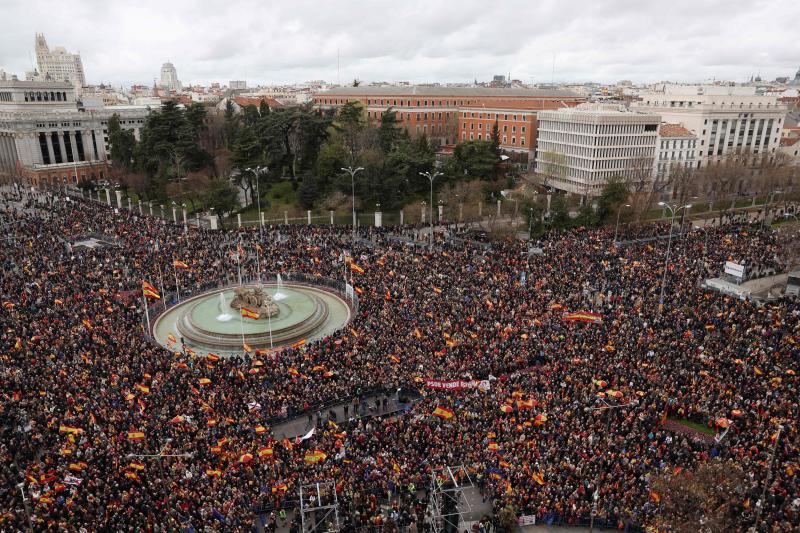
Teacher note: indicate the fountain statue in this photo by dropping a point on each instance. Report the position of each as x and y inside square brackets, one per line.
[255, 300]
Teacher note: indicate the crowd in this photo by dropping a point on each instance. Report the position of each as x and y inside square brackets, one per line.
[86, 397]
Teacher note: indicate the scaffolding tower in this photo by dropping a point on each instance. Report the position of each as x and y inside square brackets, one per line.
[319, 507]
[448, 504]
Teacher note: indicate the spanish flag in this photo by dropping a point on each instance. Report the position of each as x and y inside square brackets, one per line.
[212, 357]
[247, 348]
[260, 429]
[142, 388]
[210, 472]
[180, 264]
[8, 305]
[135, 435]
[245, 458]
[525, 404]
[506, 408]
[178, 419]
[387, 296]
[417, 333]
[441, 412]
[315, 456]
[247, 313]
[583, 316]
[132, 475]
[394, 359]
[265, 452]
[136, 466]
[69, 429]
[656, 497]
[150, 291]
[204, 381]
[282, 487]
[171, 339]
[298, 343]
[437, 290]
[538, 478]
[355, 268]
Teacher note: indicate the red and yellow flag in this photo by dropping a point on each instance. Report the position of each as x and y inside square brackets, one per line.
[135, 435]
[247, 313]
[538, 478]
[210, 472]
[136, 466]
[315, 456]
[298, 343]
[265, 452]
[444, 413]
[69, 429]
[150, 291]
[583, 316]
[247, 348]
[179, 264]
[355, 268]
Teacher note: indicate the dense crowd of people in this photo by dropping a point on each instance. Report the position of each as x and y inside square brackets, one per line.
[574, 407]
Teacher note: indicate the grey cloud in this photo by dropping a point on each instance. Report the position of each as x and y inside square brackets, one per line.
[414, 40]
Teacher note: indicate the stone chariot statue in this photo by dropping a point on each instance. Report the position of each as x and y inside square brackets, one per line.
[255, 300]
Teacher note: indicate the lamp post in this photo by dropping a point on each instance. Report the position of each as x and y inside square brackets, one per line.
[766, 206]
[673, 209]
[760, 505]
[353, 171]
[257, 172]
[431, 177]
[530, 224]
[616, 228]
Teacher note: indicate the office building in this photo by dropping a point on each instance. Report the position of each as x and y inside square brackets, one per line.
[580, 148]
[58, 64]
[724, 119]
[169, 78]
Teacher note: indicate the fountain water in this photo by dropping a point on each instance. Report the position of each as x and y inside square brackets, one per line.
[278, 294]
[224, 316]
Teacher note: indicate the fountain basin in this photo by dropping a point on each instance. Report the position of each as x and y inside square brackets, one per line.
[305, 312]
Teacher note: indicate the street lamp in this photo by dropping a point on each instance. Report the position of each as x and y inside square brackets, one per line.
[766, 206]
[256, 172]
[353, 171]
[673, 209]
[616, 228]
[431, 177]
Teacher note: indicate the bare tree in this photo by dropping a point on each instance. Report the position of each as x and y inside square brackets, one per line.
[708, 499]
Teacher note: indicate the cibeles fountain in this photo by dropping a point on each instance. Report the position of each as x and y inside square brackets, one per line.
[276, 314]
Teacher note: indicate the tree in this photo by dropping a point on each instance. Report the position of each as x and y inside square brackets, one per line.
[551, 166]
[388, 132]
[247, 153]
[231, 123]
[351, 124]
[615, 192]
[222, 197]
[123, 144]
[559, 214]
[508, 519]
[475, 159]
[710, 498]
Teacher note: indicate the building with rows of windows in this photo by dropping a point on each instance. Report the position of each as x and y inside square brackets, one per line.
[448, 115]
[724, 119]
[48, 137]
[580, 148]
[677, 147]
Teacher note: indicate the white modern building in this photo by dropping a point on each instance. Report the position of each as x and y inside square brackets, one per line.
[58, 64]
[580, 148]
[169, 77]
[48, 137]
[724, 119]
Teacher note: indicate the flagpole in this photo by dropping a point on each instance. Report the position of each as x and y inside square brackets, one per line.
[177, 286]
[241, 325]
[258, 264]
[160, 276]
[146, 311]
[269, 320]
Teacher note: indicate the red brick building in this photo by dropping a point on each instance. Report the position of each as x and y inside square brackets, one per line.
[449, 115]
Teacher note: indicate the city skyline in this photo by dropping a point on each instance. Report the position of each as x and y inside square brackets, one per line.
[601, 41]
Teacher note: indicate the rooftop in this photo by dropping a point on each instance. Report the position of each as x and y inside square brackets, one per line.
[417, 90]
[674, 130]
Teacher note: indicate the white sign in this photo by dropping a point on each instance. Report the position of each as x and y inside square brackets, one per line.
[734, 269]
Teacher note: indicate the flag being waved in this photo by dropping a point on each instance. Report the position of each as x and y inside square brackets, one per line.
[441, 412]
[179, 264]
[150, 291]
[583, 316]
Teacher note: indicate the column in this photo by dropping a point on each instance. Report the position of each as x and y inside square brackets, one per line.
[118, 194]
[108, 197]
[62, 146]
[73, 144]
[50, 151]
[378, 219]
[402, 216]
[331, 212]
[140, 208]
[308, 215]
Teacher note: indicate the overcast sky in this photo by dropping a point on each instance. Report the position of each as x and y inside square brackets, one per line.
[264, 41]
